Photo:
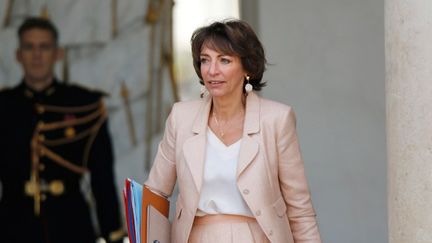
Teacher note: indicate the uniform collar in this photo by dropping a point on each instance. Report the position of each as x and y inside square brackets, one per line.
[48, 91]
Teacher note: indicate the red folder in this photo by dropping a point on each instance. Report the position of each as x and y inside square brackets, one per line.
[128, 211]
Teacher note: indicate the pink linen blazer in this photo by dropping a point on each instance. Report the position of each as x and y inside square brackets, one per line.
[270, 171]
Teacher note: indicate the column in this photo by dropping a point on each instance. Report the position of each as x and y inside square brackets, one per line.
[408, 45]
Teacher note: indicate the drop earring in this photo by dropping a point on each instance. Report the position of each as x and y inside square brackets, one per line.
[248, 87]
[204, 91]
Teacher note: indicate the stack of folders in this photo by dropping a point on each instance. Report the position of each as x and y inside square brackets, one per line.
[146, 214]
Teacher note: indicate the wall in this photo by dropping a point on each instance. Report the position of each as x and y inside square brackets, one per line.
[328, 63]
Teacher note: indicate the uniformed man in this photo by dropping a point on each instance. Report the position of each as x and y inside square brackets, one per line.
[51, 135]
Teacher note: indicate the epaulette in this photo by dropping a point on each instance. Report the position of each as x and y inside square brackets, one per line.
[91, 90]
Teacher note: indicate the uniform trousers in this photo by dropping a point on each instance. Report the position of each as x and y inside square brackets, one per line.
[224, 228]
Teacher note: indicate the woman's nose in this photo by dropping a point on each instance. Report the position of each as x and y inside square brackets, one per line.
[213, 68]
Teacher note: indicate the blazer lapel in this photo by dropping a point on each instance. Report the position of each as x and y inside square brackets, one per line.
[194, 148]
[249, 147]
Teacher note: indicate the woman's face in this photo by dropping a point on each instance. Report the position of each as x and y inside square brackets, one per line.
[222, 74]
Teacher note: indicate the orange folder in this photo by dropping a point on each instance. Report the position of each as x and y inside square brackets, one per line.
[159, 203]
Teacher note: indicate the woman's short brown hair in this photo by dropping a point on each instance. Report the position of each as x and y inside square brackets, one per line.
[232, 37]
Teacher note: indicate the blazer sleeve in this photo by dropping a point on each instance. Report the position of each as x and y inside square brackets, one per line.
[162, 177]
[293, 183]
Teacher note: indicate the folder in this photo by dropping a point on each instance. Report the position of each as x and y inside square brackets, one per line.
[146, 214]
[158, 226]
[130, 192]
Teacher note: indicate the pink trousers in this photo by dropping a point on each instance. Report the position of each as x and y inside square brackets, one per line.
[226, 229]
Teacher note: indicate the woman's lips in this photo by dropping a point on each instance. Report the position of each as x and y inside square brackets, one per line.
[215, 83]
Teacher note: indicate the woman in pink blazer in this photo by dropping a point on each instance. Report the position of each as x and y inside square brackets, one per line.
[234, 155]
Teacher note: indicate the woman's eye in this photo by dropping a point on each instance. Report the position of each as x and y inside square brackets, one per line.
[203, 60]
[225, 60]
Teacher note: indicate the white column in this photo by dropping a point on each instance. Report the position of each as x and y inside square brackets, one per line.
[408, 33]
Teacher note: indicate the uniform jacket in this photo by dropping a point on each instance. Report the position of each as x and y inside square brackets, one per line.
[270, 171]
[49, 141]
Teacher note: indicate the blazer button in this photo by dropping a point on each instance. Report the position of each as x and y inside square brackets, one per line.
[258, 213]
[270, 232]
[246, 191]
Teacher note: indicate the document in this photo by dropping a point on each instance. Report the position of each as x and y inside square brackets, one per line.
[132, 193]
[158, 227]
[146, 214]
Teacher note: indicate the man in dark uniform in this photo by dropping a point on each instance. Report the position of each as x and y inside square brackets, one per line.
[51, 135]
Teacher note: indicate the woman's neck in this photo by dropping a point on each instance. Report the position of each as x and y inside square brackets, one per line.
[226, 109]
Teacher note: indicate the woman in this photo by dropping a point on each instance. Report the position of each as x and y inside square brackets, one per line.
[235, 155]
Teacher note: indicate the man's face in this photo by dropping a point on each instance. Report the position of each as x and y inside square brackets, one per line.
[37, 55]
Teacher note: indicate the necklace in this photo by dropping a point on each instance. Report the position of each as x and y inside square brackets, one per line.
[220, 126]
[221, 131]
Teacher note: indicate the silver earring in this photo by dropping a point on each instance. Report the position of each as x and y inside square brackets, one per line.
[248, 87]
[204, 91]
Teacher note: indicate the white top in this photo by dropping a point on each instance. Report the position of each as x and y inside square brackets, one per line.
[219, 192]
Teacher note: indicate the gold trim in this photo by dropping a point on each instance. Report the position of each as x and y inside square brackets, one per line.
[63, 162]
[74, 109]
[40, 125]
[40, 109]
[117, 235]
[81, 135]
[34, 174]
[74, 122]
[90, 141]
[62, 141]
[33, 187]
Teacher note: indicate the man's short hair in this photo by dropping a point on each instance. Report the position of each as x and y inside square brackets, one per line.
[38, 23]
